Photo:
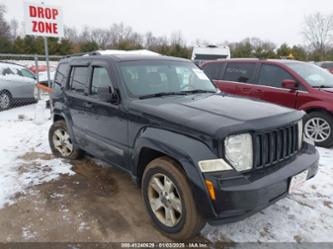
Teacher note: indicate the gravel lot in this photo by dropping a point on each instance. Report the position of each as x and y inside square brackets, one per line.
[48, 199]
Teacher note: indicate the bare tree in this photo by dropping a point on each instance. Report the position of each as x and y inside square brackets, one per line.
[14, 29]
[318, 31]
[101, 37]
[72, 34]
[4, 27]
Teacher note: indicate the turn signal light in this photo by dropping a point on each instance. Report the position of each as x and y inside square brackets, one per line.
[211, 190]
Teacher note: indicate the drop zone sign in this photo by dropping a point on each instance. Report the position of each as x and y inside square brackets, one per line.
[43, 20]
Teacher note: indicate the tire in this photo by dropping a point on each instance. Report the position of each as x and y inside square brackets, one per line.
[61, 143]
[322, 120]
[5, 100]
[186, 223]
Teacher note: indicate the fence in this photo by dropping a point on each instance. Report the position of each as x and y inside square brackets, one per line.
[19, 74]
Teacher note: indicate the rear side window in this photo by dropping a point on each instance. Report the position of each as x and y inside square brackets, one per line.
[240, 72]
[79, 79]
[212, 70]
[100, 78]
[327, 65]
[271, 75]
[60, 77]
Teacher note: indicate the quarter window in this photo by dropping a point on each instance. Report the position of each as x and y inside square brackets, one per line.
[100, 79]
[60, 76]
[271, 75]
[240, 72]
[79, 79]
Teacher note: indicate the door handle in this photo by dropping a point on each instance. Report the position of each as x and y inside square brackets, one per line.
[88, 104]
[247, 89]
[258, 93]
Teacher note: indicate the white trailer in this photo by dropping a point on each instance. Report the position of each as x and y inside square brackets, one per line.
[208, 53]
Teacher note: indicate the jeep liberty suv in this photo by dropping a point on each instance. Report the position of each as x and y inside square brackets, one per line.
[198, 155]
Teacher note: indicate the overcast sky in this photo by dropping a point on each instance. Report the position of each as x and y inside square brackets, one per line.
[212, 20]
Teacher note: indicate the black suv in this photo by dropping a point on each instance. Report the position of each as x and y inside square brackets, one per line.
[197, 154]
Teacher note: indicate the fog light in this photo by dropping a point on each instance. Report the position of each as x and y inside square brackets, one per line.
[214, 165]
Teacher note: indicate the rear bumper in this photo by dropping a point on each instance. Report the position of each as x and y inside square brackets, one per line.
[238, 197]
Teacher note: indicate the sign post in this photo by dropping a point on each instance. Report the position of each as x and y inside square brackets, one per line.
[43, 20]
[46, 49]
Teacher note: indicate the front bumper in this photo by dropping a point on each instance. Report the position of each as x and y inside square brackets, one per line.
[239, 196]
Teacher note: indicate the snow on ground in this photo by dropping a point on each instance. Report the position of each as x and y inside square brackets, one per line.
[21, 135]
[306, 215]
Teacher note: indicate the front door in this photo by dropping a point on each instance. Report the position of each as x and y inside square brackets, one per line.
[108, 125]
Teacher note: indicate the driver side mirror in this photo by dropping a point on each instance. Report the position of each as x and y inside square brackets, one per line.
[105, 94]
[290, 84]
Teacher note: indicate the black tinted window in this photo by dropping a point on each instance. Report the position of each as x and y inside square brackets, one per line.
[100, 78]
[271, 75]
[327, 65]
[79, 79]
[239, 72]
[60, 77]
[212, 70]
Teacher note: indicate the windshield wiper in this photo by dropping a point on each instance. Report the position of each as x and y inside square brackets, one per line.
[161, 94]
[323, 86]
[198, 91]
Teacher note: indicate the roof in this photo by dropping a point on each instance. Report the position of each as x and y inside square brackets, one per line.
[136, 52]
[123, 55]
[284, 61]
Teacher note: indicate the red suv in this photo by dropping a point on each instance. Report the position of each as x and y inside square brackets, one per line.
[294, 84]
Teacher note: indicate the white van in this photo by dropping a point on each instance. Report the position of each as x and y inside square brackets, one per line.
[201, 55]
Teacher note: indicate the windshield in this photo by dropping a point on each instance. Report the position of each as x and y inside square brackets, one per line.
[149, 78]
[314, 75]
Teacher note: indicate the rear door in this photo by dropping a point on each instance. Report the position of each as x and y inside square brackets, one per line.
[238, 78]
[77, 99]
[269, 88]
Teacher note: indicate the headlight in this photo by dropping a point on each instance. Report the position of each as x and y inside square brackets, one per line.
[214, 165]
[239, 151]
[300, 134]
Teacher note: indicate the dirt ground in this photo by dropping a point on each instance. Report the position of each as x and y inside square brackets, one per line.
[97, 204]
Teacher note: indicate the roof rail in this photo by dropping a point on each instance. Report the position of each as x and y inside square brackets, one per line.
[82, 54]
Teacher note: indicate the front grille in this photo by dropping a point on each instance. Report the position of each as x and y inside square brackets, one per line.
[275, 146]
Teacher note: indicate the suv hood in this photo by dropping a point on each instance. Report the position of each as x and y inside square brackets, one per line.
[215, 115]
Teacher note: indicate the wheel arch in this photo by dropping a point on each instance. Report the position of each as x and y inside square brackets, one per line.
[57, 116]
[6, 91]
[318, 109]
[185, 151]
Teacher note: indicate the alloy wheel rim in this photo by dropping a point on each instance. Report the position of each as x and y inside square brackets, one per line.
[62, 142]
[317, 129]
[4, 101]
[164, 200]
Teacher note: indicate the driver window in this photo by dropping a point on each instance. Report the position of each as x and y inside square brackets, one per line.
[100, 78]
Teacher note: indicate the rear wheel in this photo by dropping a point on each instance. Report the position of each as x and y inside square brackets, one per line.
[5, 100]
[61, 143]
[318, 126]
[169, 201]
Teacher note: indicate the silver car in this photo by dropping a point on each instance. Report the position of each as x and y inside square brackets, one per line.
[17, 85]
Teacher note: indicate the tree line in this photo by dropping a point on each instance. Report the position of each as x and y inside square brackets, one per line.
[317, 32]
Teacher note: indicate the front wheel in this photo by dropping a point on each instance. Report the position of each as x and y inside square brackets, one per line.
[61, 143]
[318, 126]
[169, 201]
[5, 100]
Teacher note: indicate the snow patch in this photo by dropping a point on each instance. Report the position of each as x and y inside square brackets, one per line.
[20, 135]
